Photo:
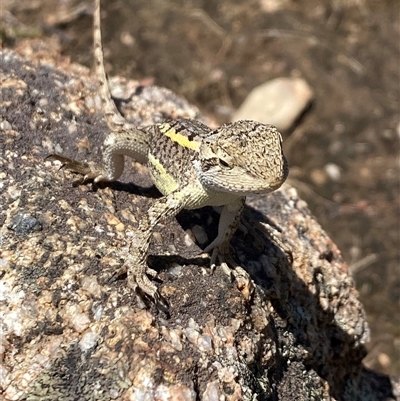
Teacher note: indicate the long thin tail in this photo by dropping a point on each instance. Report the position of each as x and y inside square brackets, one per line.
[114, 119]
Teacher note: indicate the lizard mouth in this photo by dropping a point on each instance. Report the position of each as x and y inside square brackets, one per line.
[239, 181]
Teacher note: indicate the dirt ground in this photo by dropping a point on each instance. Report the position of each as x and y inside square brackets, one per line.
[344, 150]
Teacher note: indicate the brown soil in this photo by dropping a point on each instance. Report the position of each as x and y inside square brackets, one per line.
[213, 53]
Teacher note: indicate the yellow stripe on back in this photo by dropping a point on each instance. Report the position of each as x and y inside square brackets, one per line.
[162, 180]
[180, 139]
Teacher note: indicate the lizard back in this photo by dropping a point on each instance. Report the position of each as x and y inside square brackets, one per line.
[174, 146]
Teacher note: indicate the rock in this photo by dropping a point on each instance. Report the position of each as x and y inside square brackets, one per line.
[333, 171]
[278, 102]
[70, 333]
[271, 6]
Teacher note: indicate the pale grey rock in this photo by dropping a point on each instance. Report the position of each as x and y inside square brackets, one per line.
[278, 102]
[333, 171]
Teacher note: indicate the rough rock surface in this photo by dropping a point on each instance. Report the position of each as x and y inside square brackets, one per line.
[69, 333]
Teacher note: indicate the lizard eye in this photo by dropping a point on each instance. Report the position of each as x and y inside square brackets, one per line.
[223, 163]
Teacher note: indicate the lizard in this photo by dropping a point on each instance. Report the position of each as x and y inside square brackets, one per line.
[192, 166]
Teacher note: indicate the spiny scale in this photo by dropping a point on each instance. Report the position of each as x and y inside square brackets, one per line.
[192, 165]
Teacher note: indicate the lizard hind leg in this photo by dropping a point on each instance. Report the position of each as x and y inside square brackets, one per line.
[228, 224]
[115, 147]
[220, 248]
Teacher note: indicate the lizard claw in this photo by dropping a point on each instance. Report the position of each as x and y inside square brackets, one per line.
[138, 279]
[161, 303]
[222, 255]
[89, 171]
[143, 286]
[70, 164]
[120, 272]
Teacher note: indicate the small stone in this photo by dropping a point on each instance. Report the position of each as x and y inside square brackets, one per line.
[58, 149]
[23, 224]
[189, 238]
[43, 102]
[318, 176]
[80, 322]
[89, 103]
[88, 341]
[271, 6]
[73, 106]
[355, 252]
[205, 343]
[278, 102]
[384, 359]
[72, 128]
[127, 39]
[14, 191]
[157, 237]
[211, 393]
[200, 234]
[91, 285]
[176, 335]
[114, 394]
[192, 335]
[120, 227]
[5, 125]
[388, 134]
[112, 220]
[333, 171]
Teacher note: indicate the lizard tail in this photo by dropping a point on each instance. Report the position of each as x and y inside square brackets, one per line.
[115, 121]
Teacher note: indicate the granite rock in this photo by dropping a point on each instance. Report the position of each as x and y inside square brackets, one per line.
[69, 333]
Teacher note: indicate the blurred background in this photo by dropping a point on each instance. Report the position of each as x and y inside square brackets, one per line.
[343, 148]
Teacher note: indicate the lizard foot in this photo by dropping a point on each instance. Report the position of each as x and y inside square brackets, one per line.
[222, 255]
[90, 171]
[138, 279]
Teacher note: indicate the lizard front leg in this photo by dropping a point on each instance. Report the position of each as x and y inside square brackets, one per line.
[228, 224]
[221, 250]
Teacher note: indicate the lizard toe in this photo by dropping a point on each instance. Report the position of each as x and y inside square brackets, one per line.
[117, 274]
[90, 171]
[222, 255]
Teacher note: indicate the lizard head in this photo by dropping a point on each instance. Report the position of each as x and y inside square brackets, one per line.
[243, 157]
